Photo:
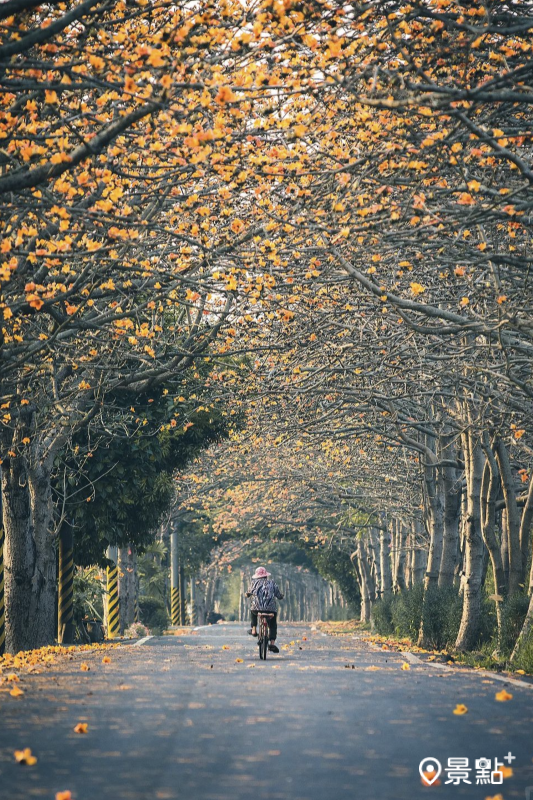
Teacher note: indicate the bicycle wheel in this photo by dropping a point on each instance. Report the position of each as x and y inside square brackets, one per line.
[260, 637]
[264, 640]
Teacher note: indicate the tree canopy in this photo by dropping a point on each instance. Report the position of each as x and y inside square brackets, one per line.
[342, 192]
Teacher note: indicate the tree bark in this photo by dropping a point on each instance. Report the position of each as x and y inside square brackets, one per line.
[504, 543]
[401, 539]
[30, 555]
[435, 520]
[516, 569]
[374, 561]
[470, 621]
[419, 553]
[434, 509]
[489, 491]
[359, 558]
[525, 632]
[385, 562]
[452, 514]
[525, 529]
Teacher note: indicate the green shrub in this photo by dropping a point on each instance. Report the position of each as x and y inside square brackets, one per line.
[447, 617]
[406, 612]
[443, 611]
[514, 610]
[153, 614]
[381, 616]
[442, 608]
[524, 658]
[489, 625]
[88, 594]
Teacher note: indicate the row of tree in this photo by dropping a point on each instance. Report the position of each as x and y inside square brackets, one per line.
[392, 409]
[110, 116]
[342, 190]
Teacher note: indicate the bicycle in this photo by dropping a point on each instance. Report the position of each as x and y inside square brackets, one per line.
[263, 633]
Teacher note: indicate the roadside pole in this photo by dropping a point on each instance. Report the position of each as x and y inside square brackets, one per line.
[174, 580]
[113, 609]
[65, 610]
[136, 588]
[181, 583]
[136, 606]
[194, 615]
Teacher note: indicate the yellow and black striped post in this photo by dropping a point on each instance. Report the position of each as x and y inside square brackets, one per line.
[113, 619]
[174, 579]
[136, 606]
[65, 611]
[2, 607]
[175, 605]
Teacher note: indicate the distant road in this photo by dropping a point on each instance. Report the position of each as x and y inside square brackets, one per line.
[180, 717]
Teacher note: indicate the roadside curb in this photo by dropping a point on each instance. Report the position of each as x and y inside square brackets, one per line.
[485, 673]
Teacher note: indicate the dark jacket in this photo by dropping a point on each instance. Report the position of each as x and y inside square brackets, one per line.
[264, 592]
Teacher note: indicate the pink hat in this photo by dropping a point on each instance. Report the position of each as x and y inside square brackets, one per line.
[261, 573]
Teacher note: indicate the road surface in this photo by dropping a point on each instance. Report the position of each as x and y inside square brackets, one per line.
[328, 719]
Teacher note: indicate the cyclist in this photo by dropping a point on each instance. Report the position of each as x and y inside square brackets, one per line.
[263, 592]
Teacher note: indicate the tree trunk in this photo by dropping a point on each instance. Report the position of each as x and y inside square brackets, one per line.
[525, 529]
[419, 553]
[461, 548]
[401, 539]
[393, 552]
[369, 577]
[376, 561]
[504, 544]
[525, 633]
[358, 559]
[516, 568]
[30, 555]
[470, 621]
[385, 562]
[435, 523]
[489, 491]
[434, 508]
[452, 515]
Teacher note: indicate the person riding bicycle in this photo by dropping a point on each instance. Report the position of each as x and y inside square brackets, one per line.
[263, 592]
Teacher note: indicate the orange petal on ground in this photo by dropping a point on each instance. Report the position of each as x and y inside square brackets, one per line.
[81, 727]
[25, 757]
[503, 696]
[460, 709]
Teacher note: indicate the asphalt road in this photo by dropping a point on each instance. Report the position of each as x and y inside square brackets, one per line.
[180, 717]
